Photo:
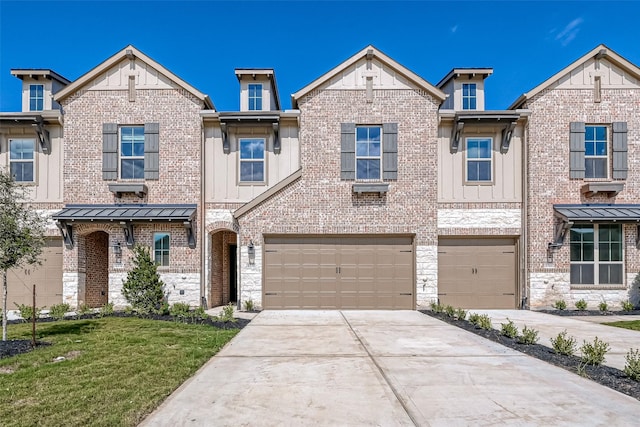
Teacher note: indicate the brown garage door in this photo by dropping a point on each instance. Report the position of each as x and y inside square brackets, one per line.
[341, 272]
[47, 278]
[477, 273]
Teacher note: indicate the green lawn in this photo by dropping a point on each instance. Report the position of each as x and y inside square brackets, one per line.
[627, 324]
[117, 370]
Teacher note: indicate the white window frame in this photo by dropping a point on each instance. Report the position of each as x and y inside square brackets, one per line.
[596, 256]
[469, 97]
[163, 251]
[369, 157]
[123, 157]
[257, 97]
[32, 160]
[478, 159]
[606, 157]
[36, 98]
[262, 160]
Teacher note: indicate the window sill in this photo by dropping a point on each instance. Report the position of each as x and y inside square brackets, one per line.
[609, 188]
[598, 287]
[119, 189]
[370, 187]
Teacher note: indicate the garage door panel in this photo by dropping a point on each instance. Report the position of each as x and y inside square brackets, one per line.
[477, 273]
[340, 272]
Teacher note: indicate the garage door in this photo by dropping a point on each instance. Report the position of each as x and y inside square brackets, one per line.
[47, 278]
[477, 273]
[342, 272]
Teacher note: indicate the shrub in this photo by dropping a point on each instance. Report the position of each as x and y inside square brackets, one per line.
[436, 308]
[581, 305]
[227, 314]
[627, 306]
[484, 322]
[143, 288]
[603, 306]
[199, 314]
[26, 312]
[560, 305]
[474, 318]
[128, 309]
[593, 354]
[180, 310]
[450, 311]
[529, 336]
[509, 329]
[57, 311]
[461, 314]
[106, 310]
[248, 305]
[84, 309]
[563, 345]
[632, 365]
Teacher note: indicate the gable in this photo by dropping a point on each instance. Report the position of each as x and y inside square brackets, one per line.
[117, 77]
[611, 76]
[355, 77]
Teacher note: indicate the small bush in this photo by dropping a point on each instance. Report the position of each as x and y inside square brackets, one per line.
[474, 318]
[436, 308]
[627, 306]
[603, 307]
[180, 310]
[509, 329]
[563, 345]
[26, 312]
[57, 311]
[227, 314]
[632, 365]
[560, 305]
[143, 288]
[461, 314]
[484, 322]
[450, 311]
[581, 305]
[248, 305]
[84, 309]
[593, 354]
[529, 336]
[106, 310]
[199, 314]
[128, 309]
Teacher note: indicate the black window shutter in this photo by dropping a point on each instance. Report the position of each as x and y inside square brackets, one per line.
[390, 151]
[619, 150]
[110, 151]
[151, 151]
[576, 150]
[348, 151]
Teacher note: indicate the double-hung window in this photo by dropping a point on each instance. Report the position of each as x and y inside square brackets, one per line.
[596, 155]
[36, 97]
[255, 97]
[469, 96]
[252, 160]
[368, 152]
[21, 159]
[132, 152]
[161, 249]
[479, 158]
[596, 254]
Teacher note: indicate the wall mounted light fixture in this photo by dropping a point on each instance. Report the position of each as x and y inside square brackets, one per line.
[251, 250]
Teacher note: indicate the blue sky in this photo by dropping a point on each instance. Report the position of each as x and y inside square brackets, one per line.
[204, 41]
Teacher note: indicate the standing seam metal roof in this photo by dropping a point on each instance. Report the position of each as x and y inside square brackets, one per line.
[599, 212]
[126, 212]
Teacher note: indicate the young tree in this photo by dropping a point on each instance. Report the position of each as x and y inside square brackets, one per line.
[21, 234]
[143, 288]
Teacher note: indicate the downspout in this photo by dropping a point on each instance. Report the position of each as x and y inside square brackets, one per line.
[203, 238]
[524, 276]
[238, 270]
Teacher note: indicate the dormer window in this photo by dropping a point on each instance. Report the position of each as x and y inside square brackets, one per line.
[255, 97]
[469, 96]
[36, 97]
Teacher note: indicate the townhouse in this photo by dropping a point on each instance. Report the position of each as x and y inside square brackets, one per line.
[376, 189]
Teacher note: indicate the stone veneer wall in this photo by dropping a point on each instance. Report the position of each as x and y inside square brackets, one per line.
[549, 184]
[321, 203]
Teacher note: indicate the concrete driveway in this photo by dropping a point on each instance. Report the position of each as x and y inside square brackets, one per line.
[388, 368]
[581, 328]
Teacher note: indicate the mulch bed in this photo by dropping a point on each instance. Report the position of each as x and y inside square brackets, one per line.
[14, 347]
[590, 312]
[604, 375]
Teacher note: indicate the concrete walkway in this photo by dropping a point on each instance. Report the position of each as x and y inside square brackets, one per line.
[581, 328]
[383, 368]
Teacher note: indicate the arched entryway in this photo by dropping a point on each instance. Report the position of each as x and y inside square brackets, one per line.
[223, 268]
[97, 269]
